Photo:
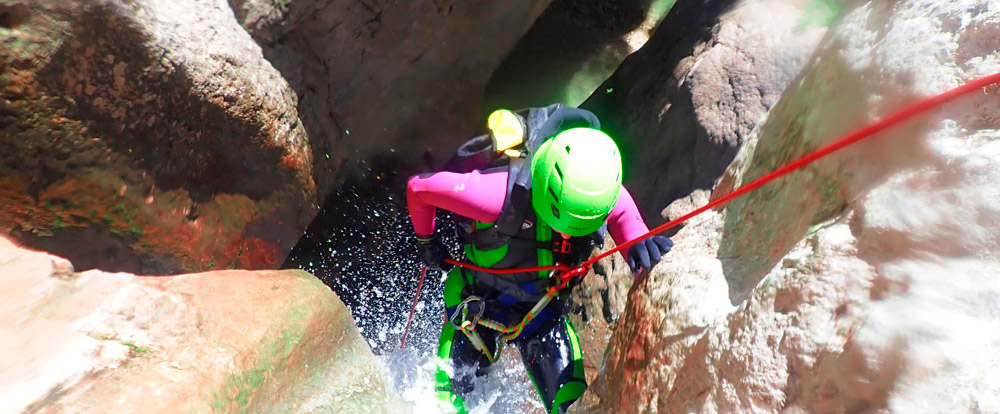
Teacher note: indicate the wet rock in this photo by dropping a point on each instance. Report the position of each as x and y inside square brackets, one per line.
[120, 119]
[681, 106]
[596, 307]
[224, 341]
[378, 75]
[863, 283]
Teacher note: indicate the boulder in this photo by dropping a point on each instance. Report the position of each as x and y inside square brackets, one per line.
[863, 283]
[379, 77]
[570, 50]
[150, 137]
[681, 106]
[222, 341]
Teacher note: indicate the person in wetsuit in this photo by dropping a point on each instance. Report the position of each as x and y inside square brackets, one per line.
[575, 195]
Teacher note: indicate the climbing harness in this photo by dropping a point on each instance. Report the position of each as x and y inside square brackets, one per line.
[561, 274]
[507, 333]
[564, 274]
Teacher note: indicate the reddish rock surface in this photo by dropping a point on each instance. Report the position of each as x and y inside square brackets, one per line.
[223, 341]
[158, 132]
[596, 307]
[150, 137]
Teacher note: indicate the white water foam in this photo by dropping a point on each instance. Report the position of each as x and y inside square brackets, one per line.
[505, 390]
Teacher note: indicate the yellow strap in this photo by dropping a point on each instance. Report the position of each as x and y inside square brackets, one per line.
[513, 153]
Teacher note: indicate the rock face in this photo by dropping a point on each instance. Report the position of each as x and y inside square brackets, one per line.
[570, 50]
[681, 106]
[740, 49]
[375, 75]
[224, 341]
[864, 283]
[154, 130]
[596, 307]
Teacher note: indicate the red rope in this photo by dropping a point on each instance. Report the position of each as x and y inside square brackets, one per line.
[866, 132]
[471, 266]
[412, 308]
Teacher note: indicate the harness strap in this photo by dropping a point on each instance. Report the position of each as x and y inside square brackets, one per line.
[494, 237]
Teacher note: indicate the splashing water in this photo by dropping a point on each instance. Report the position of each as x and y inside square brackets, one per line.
[361, 245]
[505, 390]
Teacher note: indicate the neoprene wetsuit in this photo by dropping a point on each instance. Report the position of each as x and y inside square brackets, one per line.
[549, 346]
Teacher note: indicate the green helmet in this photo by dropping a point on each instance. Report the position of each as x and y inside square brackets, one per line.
[575, 180]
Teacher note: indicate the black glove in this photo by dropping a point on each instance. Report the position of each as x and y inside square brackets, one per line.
[647, 253]
[432, 252]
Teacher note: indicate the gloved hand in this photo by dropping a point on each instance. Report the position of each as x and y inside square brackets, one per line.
[647, 253]
[432, 252]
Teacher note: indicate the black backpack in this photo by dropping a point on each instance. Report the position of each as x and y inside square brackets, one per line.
[481, 153]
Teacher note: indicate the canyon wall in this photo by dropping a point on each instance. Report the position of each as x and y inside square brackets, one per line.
[379, 77]
[150, 137]
[681, 106]
[863, 283]
[192, 135]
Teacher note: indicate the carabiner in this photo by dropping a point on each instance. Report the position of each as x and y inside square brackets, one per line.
[463, 309]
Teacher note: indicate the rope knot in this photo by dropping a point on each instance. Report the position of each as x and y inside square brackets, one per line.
[566, 276]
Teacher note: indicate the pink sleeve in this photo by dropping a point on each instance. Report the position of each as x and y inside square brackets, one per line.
[624, 222]
[474, 195]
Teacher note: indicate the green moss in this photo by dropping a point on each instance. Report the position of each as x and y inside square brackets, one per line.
[765, 284]
[832, 202]
[819, 13]
[244, 385]
[274, 352]
[136, 348]
[815, 228]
